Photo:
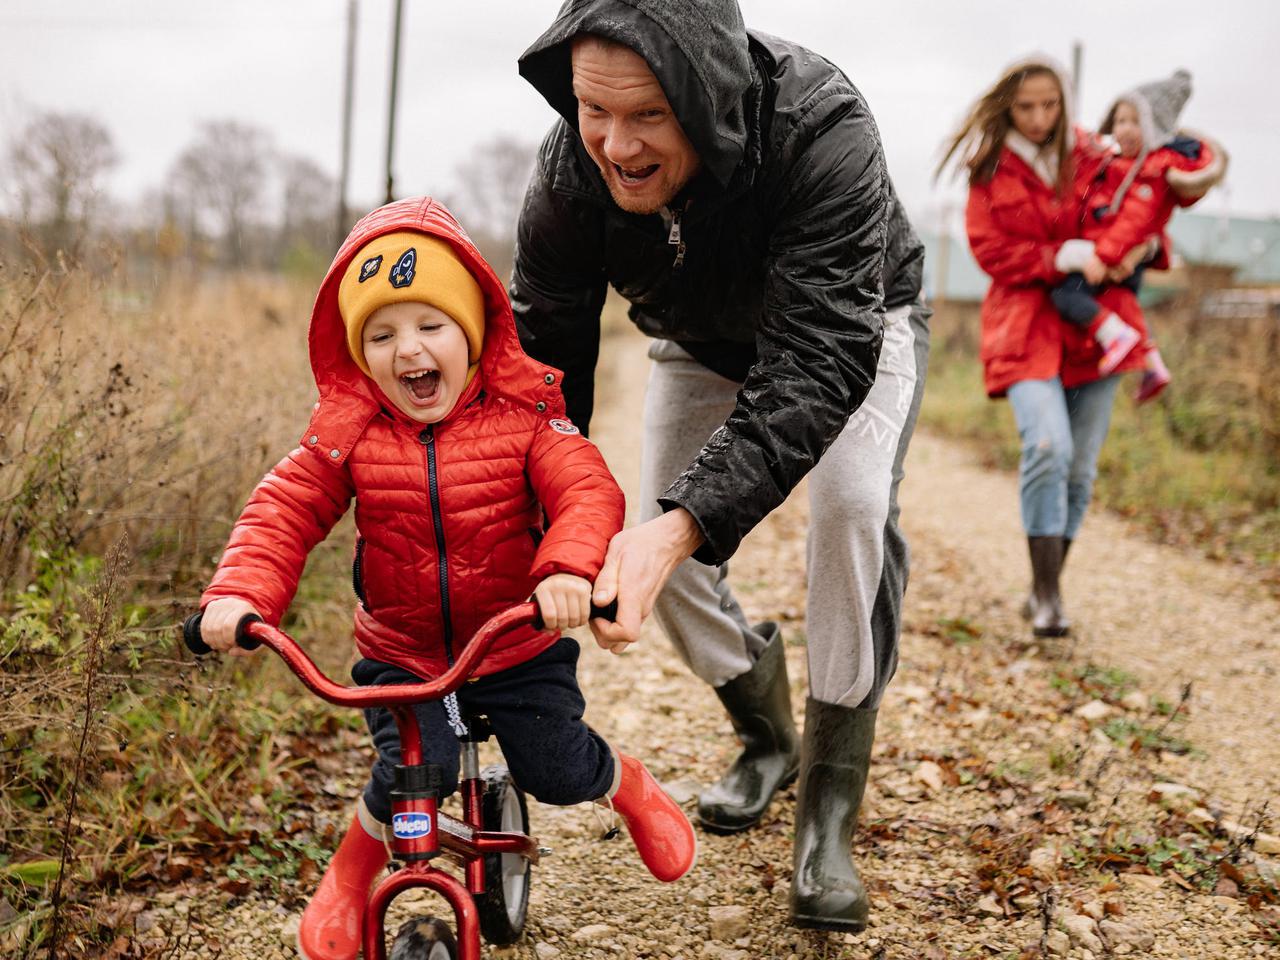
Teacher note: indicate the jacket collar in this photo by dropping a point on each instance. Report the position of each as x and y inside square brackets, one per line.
[1043, 161]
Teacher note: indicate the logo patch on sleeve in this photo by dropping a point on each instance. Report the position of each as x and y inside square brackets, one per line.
[403, 272]
[562, 426]
[370, 267]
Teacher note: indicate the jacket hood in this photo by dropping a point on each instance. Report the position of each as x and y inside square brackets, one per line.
[696, 48]
[504, 366]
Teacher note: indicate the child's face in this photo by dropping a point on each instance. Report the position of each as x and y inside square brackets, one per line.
[417, 355]
[1127, 129]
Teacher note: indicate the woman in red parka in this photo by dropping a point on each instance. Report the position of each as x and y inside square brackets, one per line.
[454, 445]
[1024, 162]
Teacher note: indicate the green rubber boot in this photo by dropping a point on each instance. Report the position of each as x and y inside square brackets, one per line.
[826, 891]
[759, 706]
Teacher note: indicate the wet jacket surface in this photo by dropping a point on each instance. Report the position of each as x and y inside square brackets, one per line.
[1015, 224]
[449, 516]
[792, 243]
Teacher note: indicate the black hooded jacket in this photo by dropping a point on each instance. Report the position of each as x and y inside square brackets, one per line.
[793, 245]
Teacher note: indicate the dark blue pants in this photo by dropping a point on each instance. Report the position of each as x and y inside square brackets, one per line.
[1075, 296]
[535, 709]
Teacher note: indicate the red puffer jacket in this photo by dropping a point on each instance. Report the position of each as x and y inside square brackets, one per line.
[447, 514]
[1016, 224]
[1167, 179]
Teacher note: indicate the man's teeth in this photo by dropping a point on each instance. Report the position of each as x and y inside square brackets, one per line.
[637, 174]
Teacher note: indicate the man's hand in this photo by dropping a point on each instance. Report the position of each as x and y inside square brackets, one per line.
[218, 625]
[1094, 270]
[564, 601]
[636, 567]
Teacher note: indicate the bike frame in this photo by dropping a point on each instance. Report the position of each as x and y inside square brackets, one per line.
[421, 832]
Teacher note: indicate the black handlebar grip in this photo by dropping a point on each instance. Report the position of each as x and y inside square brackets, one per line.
[191, 635]
[608, 612]
[195, 643]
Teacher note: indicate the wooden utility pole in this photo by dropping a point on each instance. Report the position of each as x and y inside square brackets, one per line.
[1077, 66]
[391, 115]
[344, 166]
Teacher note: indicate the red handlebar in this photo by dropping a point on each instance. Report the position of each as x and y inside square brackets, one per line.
[387, 695]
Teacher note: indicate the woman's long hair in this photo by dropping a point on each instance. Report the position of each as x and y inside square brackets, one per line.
[980, 139]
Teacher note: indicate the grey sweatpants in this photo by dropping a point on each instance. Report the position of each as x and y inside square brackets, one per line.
[857, 556]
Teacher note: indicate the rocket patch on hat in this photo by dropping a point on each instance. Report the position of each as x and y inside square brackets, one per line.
[403, 272]
[370, 267]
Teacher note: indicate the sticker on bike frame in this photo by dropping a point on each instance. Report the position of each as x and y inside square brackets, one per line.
[411, 826]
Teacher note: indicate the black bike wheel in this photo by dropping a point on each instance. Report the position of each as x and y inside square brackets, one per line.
[505, 903]
[424, 938]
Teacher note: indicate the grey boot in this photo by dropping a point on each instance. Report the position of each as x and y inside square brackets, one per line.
[1047, 617]
[1028, 609]
[826, 891]
[759, 706]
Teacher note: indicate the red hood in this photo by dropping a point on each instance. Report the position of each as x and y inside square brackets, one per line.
[504, 366]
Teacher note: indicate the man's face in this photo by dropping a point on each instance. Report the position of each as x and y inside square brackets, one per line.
[628, 127]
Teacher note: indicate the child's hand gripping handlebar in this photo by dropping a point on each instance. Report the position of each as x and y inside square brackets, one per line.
[252, 632]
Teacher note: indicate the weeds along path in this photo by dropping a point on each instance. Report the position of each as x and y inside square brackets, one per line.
[1026, 800]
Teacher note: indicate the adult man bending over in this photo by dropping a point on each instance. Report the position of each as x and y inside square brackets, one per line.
[732, 187]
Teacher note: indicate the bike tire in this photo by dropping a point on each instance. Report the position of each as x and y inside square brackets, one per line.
[504, 907]
[424, 938]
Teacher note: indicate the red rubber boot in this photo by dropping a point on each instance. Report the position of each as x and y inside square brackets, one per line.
[330, 926]
[661, 832]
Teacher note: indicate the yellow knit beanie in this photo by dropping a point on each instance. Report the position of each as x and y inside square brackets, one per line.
[409, 267]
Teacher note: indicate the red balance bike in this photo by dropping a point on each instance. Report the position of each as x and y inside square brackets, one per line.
[491, 842]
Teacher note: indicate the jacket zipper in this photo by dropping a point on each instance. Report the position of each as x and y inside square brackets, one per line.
[428, 439]
[675, 237]
[357, 573]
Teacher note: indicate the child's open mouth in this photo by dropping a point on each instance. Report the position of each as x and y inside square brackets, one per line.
[636, 175]
[423, 385]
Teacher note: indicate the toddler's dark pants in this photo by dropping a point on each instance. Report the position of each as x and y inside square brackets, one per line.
[535, 709]
[1075, 296]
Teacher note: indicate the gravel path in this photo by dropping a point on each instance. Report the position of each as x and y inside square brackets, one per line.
[996, 795]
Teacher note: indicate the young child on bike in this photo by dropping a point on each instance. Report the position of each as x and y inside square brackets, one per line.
[1128, 202]
[454, 445]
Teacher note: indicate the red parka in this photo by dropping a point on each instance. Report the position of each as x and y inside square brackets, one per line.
[1166, 180]
[1016, 223]
[449, 516]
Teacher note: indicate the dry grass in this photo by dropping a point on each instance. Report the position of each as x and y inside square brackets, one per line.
[149, 414]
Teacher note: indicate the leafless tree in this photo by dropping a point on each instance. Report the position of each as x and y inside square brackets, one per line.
[308, 195]
[491, 189]
[223, 174]
[57, 161]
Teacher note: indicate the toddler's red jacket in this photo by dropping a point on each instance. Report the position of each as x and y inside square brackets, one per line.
[1172, 176]
[449, 516]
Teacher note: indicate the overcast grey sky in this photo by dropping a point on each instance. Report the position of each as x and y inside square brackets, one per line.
[151, 70]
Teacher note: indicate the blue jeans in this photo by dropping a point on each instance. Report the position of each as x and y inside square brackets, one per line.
[1062, 433]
